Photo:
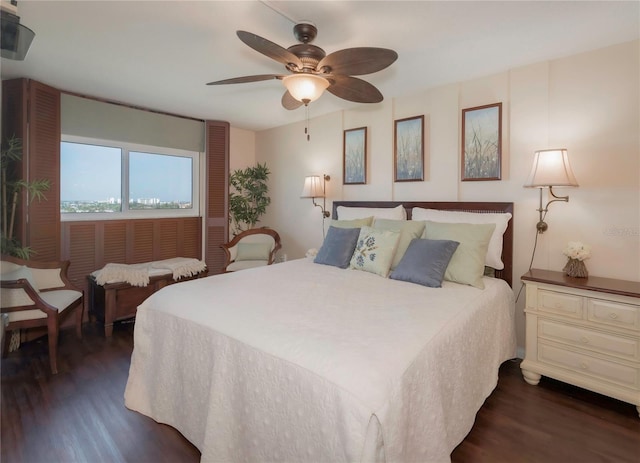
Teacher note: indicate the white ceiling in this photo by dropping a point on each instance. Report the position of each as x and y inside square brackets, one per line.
[159, 55]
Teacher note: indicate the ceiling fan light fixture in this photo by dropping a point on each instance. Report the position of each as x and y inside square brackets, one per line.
[305, 87]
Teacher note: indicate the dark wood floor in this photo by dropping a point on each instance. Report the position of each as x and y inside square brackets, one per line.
[79, 416]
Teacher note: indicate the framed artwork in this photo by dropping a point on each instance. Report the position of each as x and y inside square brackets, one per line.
[482, 142]
[355, 156]
[409, 149]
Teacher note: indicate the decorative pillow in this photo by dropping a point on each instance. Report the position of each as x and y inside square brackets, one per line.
[337, 247]
[467, 263]
[394, 213]
[425, 262]
[375, 250]
[353, 223]
[253, 251]
[494, 252]
[408, 231]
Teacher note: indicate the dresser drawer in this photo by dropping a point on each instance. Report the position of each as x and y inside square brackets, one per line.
[609, 344]
[586, 365]
[614, 314]
[568, 305]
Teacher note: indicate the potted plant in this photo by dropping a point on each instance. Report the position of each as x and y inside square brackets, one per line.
[249, 197]
[12, 186]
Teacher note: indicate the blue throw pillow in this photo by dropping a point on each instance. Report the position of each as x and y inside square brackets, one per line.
[425, 262]
[338, 247]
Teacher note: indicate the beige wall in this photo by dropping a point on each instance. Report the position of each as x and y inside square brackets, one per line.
[588, 103]
[242, 148]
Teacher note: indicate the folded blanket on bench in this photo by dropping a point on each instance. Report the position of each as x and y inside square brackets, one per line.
[138, 274]
[181, 266]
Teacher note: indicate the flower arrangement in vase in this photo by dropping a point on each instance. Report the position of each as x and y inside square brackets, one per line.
[576, 253]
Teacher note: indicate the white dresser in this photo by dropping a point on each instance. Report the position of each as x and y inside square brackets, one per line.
[583, 331]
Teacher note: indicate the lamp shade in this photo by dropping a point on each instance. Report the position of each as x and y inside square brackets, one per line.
[313, 187]
[305, 87]
[551, 168]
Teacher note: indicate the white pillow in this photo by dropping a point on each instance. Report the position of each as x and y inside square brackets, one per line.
[501, 219]
[350, 213]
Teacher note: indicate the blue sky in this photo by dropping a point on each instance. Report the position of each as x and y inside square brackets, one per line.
[92, 173]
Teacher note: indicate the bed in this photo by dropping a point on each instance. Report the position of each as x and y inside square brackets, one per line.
[302, 362]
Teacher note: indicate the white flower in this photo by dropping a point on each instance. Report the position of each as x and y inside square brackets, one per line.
[577, 250]
[311, 252]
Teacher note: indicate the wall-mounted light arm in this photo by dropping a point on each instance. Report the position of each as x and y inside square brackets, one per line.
[542, 226]
[322, 206]
[550, 168]
[314, 188]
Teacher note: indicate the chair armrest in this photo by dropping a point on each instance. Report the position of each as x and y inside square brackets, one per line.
[19, 295]
[231, 250]
[276, 248]
[49, 275]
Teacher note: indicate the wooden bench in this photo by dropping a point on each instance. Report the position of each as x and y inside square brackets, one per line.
[119, 301]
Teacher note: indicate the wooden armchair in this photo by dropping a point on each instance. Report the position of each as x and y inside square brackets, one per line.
[251, 248]
[36, 294]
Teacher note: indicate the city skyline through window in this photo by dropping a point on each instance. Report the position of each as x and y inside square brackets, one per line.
[95, 178]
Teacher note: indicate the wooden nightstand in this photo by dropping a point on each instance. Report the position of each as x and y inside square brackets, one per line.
[583, 331]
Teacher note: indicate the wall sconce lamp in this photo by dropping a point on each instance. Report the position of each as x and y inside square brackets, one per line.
[550, 168]
[314, 188]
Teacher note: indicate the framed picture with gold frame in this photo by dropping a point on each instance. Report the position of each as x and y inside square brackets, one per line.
[408, 134]
[354, 161]
[482, 143]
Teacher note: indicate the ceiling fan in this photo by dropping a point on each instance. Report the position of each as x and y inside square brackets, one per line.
[312, 71]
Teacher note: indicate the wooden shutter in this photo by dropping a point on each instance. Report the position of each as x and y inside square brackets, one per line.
[217, 197]
[14, 122]
[43, 157]
[31, 111]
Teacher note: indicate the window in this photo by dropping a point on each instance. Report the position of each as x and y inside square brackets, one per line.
[104, 179]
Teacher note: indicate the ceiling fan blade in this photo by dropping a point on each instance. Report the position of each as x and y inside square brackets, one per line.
[270, 49]
[354, 89]
[289, 102]
[358, 61]
[245, 79]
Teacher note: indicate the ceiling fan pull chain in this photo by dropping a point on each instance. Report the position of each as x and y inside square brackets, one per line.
[306, 126]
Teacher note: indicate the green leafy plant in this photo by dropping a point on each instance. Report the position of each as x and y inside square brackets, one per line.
[249, 197]
[12, 186]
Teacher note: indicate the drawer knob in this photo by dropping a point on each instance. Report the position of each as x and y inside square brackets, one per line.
[584, 339]
[584, 365]
[613, 315]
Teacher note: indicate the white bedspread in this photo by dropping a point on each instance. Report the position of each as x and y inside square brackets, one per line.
[300, 362]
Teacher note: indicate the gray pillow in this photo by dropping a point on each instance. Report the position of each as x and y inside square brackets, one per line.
[338, 247]
[425, 262]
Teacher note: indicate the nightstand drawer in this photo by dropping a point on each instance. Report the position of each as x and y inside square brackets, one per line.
[615, 314]
[568, 305]
[586, 365]
[626, 348]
